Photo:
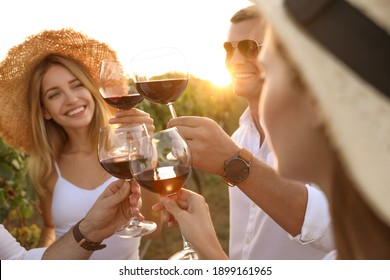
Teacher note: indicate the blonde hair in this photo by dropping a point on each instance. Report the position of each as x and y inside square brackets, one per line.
[48, 137]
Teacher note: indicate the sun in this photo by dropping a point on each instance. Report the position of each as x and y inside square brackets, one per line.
[211, 66]
[219, 76]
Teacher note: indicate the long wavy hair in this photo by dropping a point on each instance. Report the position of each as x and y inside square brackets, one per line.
[48, 137]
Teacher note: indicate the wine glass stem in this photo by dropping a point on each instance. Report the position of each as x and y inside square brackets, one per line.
[186, 244]
[172, 109]
[133, 220]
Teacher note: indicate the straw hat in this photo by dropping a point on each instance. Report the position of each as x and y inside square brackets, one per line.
[342, 50]
[19, 64]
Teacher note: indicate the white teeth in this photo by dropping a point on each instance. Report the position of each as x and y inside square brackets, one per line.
[75, 111]
[242, 75]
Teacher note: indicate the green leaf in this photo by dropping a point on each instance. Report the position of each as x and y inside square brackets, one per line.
[6, 172]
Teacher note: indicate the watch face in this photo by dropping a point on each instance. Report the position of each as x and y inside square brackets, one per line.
[237, 170]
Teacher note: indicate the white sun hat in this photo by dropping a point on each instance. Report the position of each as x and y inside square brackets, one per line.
[342, 50]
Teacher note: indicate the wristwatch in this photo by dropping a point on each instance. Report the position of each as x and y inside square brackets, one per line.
[85, 243]
[237, 167]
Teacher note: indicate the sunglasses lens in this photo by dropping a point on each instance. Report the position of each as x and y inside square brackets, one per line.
[229, 48]
[249, 49]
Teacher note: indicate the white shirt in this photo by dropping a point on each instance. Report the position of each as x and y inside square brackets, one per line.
[10, 249]
[71, 203]
[254, 235]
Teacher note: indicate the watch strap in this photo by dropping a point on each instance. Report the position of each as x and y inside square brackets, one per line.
[85, 243]
[246, 155]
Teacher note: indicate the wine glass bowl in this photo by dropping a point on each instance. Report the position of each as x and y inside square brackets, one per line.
[161, 75]
[113, 155]
[160, 163]
[115, 88]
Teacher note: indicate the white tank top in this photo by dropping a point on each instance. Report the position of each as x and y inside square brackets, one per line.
[70, 204]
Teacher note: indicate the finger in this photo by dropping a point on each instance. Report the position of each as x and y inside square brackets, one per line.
[181, 198]
[167, 217]
[158, 207]
[140, 217]
[135, 187]
[131, 112]
[172, 224]
[171, 207]
[190, 121]
[188, 133]
[135, 201]
[117, 191]
[131, 120]
[135, 211]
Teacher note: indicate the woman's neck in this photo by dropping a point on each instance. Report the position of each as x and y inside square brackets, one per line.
[78, 142]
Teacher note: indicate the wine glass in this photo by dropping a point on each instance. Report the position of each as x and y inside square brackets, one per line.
[114, 87]
[161, 163]
[161, 75]
[113, 154]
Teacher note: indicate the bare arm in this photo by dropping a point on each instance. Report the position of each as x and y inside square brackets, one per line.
[283, 200]
[48, 235]
[110, 210]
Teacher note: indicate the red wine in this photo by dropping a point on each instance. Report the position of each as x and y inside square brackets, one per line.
[162, 91]
[164, 180]
[118, 167]
[124, 102]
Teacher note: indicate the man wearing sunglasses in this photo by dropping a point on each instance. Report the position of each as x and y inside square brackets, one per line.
[260, 237]
[278, 210]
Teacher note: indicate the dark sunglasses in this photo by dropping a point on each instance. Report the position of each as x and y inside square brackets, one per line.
[248, 48]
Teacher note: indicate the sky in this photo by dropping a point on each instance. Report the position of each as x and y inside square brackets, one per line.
[197, 27]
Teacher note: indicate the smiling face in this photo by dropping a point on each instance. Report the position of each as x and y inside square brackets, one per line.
[292, 119]
[246, 74]
[65, 99]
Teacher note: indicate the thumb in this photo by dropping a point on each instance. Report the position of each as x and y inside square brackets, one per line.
[117, 192]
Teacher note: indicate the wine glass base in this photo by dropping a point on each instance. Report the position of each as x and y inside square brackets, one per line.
[136, 230]
[186, 254]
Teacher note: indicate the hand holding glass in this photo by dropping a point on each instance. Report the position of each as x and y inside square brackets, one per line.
[113, 154]
[161, 163]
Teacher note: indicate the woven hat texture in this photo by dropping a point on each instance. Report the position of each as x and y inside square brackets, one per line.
[17, 67]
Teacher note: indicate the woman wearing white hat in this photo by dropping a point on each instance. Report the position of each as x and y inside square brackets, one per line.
[327, 91]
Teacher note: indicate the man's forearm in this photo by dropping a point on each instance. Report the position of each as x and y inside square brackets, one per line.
[283, 200]
[66, 248]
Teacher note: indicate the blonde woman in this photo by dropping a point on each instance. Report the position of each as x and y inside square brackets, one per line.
[52, 78]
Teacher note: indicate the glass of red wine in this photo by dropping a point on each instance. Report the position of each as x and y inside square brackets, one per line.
[161, 163]
[113, 154]
[161, 75]
[115, 88]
